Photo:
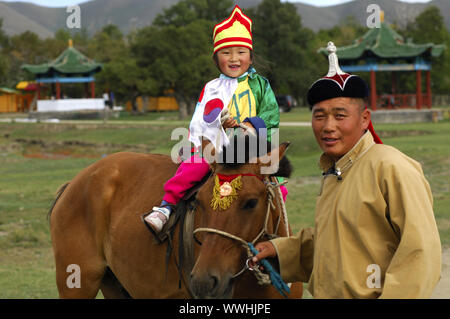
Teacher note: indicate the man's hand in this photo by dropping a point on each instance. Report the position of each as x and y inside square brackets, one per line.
[265, 249]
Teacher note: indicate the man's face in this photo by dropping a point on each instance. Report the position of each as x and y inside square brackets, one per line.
[234, 61]
[338, 124]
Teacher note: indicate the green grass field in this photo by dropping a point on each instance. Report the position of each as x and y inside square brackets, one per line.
[37, 158]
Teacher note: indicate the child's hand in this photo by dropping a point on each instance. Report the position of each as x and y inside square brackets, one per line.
[224, 115]
[230, 123]
[248, 128]
[248, 124]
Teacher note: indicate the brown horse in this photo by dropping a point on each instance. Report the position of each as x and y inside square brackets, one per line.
[95, 224]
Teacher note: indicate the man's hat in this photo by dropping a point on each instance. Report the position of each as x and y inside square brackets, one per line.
[338, 84]
[234, 31]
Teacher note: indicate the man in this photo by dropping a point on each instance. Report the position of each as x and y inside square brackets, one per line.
[375, 235]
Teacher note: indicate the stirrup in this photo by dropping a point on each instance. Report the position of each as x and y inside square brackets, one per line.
[157, 218]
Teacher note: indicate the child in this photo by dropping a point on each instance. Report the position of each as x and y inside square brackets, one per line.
[239, 95]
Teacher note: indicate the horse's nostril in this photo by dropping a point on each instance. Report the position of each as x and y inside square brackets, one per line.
[211, 285]
[205, 285]
[215, 281]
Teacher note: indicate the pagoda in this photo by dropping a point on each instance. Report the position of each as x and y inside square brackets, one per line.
[71, 66]
[383, 49]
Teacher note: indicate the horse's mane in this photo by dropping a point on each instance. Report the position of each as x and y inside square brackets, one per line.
[242, 148]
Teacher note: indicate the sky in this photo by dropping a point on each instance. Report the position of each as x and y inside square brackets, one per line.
[64, 3]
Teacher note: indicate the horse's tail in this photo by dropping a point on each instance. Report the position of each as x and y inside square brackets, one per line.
[58, 195]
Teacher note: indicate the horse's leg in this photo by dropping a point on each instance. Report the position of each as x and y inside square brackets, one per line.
[79, 269]
[111, 287]
[86, 285]
[77, 228]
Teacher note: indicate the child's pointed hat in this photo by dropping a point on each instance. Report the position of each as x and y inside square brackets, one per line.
[236, 30]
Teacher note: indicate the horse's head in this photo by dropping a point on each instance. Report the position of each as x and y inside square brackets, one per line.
[233, 207]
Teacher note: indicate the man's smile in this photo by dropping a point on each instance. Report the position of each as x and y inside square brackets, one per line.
[329, 141]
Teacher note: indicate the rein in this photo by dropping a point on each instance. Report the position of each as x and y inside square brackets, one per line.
[271, 189]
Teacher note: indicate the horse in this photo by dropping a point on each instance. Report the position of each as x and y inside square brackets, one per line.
[95, 224]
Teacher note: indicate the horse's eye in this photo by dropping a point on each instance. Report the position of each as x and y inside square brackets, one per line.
[251, 203]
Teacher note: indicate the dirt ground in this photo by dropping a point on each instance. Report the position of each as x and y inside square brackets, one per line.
[442, 290]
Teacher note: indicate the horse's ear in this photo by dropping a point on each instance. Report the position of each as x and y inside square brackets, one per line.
[282, 149]
[209, 153]
[269, 163]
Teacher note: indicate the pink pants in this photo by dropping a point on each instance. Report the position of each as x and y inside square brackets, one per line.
[189, 173]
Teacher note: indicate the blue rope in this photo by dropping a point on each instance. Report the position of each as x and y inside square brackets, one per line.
[275, 277]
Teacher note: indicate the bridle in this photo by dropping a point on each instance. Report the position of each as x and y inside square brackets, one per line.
[272, 188]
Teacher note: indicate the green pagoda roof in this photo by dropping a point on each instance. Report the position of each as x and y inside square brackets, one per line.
[8, 91]
[385, 43]
[70, 62]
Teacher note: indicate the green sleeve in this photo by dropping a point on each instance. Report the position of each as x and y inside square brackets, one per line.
[266, 104]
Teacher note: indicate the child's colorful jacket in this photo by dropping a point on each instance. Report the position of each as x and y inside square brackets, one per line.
[248, 98]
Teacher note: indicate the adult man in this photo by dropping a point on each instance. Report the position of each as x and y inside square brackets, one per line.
[375, 234]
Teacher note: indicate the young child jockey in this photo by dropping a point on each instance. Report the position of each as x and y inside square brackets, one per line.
[238, 97]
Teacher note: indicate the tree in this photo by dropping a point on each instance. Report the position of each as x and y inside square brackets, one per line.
[120, 73]
[4, 45]
[4, 39]
[178, 58]
[122, 76]
[278, 37]
[26, 47]
[429, 26]
[175, 53]
[107, 44]
[56, 45]
[187, 11]
[343, 34]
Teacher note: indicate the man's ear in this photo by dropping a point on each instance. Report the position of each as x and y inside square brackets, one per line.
[269, 163]
[365, 118]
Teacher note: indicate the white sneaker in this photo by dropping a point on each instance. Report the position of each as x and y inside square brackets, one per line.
[158, 218]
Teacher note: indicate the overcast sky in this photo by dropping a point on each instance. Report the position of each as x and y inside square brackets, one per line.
[64, 3]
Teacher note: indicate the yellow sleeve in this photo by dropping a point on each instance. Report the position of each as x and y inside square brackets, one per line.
[415, 267]
[295, 255]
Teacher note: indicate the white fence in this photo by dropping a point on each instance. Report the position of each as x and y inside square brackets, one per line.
[65, 105]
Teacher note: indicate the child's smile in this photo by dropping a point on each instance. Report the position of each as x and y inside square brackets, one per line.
[234, 61]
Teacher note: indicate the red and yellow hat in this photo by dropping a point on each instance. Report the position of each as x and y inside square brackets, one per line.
[234, 31]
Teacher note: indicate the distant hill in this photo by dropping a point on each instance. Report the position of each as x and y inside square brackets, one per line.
[15, 22]
[317, 18]
[127, 14]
